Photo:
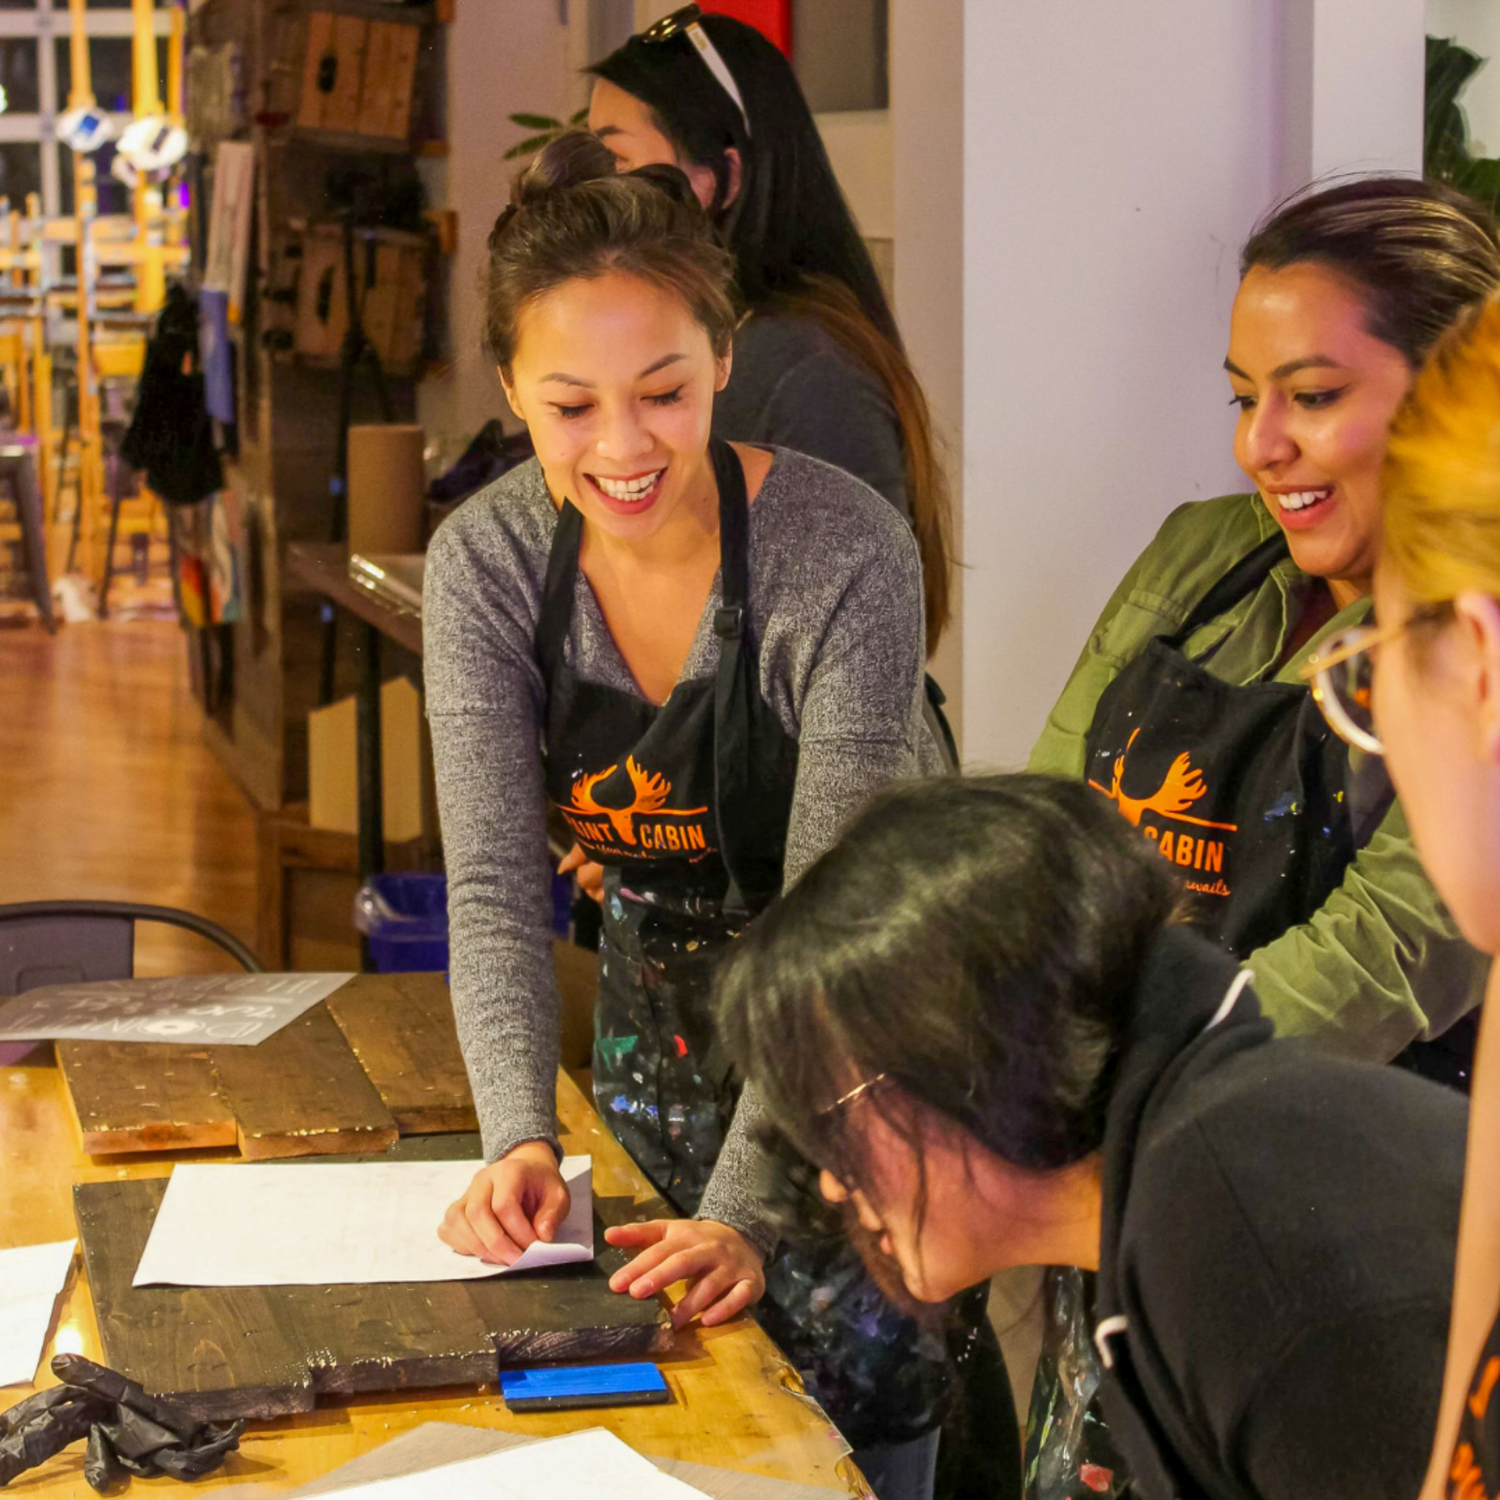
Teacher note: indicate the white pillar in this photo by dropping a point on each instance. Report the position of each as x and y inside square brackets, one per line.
[1073, 181]
[927, 118]
[1353, 87]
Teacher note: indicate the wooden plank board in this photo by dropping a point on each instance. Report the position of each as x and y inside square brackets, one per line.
[301, 1093]
[400, 1027]
[144, 1096]
[269, 1351]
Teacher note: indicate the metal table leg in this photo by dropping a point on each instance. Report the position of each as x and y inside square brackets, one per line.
[367, 737]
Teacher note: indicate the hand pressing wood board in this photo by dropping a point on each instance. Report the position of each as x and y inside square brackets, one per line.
[227, 1352]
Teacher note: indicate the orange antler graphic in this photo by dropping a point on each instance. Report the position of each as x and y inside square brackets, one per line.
[650, 795]
[583, 800]
[1180, 789]
[651, 791]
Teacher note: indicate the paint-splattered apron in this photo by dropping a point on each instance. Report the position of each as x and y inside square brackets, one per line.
[687, 807]
[1242, 789]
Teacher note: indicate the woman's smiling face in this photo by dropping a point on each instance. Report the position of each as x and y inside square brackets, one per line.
[615, 378]
[1316, 392]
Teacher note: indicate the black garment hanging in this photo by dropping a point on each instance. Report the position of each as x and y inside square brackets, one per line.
[693, 796]
[170, 438]
[1242, 788]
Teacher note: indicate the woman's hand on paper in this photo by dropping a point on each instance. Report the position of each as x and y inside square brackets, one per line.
[510, 1205]
[590, 876]
[722, 1268]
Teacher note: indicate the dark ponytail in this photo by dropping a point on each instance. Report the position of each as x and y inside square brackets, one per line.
[572, 216]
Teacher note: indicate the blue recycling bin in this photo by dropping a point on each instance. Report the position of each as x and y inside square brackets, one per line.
[405, 920]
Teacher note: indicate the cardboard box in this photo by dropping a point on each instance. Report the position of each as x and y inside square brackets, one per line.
[333, 764]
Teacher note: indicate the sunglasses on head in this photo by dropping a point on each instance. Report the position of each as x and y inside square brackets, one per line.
[688, 22]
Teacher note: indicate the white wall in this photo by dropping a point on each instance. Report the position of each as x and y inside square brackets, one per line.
[927, 162]
[1114, 158]
[1352, 87]
[502, 58]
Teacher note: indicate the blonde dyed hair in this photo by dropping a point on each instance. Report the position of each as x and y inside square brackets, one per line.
[1441, 521]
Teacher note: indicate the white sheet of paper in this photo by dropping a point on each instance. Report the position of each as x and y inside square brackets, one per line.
[589, 1465]
[30, 1279]
[326, 1224]
[223, 1010]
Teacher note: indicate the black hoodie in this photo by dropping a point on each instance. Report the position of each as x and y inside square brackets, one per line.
[1277, 1252]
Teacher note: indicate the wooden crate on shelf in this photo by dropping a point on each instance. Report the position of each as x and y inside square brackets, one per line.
[346, 73]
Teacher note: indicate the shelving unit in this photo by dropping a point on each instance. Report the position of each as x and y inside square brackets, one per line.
[258, 678]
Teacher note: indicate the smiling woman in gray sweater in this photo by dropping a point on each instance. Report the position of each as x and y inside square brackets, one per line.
[705, 656]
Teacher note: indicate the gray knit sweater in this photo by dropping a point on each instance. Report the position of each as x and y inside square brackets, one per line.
[836, 615]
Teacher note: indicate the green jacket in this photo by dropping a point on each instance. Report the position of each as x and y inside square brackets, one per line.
[1381, 962]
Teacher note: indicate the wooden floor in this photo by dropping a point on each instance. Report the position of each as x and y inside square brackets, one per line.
[106, 789]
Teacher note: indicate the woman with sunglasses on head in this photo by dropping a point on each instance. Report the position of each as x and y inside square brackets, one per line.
[819, 365]
[1187, 710]
[980, 1014]
[705, 655]
[1430, 669]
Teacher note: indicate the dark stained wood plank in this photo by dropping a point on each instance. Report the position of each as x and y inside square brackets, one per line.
[301, 1093]
[400, 1027]
[143, 1096]
[268, 1351]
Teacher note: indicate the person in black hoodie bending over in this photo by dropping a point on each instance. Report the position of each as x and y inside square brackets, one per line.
[979, 1016]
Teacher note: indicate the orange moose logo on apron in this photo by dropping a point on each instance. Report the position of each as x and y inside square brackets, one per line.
[642, 828]
[1181, 788]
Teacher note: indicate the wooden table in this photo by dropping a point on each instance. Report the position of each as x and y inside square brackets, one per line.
[733, 1400]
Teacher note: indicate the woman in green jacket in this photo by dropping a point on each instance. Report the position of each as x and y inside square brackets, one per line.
[1187, 709]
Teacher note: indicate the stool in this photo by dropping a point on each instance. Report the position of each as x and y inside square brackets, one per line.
[18, 471]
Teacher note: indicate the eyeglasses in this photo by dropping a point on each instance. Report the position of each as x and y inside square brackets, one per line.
[1342, 676]
[687, 22]
[829, 1120]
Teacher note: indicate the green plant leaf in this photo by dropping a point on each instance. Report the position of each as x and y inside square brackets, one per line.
[526, 147]
[579, 116]
[536, 122]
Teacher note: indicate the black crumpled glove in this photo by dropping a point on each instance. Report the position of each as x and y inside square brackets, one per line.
[128, 1431]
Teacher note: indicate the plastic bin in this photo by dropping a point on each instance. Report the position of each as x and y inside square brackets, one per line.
[405, 919]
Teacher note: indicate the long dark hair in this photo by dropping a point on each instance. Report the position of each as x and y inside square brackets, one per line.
[975, 942]
[571, 216]
[1417, 252]
[796, 246]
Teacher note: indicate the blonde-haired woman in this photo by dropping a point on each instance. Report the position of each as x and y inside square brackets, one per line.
[1423, 687]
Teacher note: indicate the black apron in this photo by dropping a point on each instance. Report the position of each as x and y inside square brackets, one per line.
[686, 806]
[1242, 789]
